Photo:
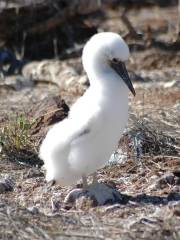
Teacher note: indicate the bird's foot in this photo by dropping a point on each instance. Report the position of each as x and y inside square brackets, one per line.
[100, 193]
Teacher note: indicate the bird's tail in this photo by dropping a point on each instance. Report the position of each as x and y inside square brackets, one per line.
[54, 151]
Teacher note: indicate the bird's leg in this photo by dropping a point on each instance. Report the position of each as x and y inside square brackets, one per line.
[94, 181]
[77, 192]
[84, 181]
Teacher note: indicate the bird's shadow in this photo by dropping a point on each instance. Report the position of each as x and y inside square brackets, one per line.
[148, 199]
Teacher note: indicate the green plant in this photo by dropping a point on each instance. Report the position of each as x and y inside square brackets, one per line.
[17, 142]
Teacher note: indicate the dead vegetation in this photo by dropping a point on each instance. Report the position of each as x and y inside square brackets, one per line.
[150, 140]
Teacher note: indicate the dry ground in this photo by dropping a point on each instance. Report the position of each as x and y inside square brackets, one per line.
[151, 184]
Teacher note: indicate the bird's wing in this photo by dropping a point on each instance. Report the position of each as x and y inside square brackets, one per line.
[85, 117]
[84, 125]
[81, 121]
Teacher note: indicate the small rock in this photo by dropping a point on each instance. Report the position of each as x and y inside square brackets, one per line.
[168, 178]
[33, 209]
[99, 194]
[74, 194]
[6, 184]
[34, 172]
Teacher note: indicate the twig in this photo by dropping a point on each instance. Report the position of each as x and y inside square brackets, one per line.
[129, 26]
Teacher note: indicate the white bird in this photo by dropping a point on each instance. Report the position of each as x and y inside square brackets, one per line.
[85, 140]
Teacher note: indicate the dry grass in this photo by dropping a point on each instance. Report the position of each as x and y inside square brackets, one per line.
[122, 222]
[150, 187]
[148, 139]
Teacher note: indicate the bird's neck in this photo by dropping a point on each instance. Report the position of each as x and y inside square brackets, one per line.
[105, 81]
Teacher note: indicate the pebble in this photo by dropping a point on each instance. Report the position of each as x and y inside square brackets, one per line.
[6, 184]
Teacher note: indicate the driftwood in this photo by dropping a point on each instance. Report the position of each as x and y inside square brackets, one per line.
[49, 111]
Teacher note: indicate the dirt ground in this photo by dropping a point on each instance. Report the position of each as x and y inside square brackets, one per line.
[150, 184]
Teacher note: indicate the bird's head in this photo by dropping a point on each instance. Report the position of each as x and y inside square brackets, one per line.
[107, 50]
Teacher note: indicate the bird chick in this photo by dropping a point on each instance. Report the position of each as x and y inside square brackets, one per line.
[85, 140]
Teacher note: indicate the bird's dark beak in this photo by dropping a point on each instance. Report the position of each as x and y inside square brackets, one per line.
[120, 69]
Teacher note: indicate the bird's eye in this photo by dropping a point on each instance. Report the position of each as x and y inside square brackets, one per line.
[115, 60]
